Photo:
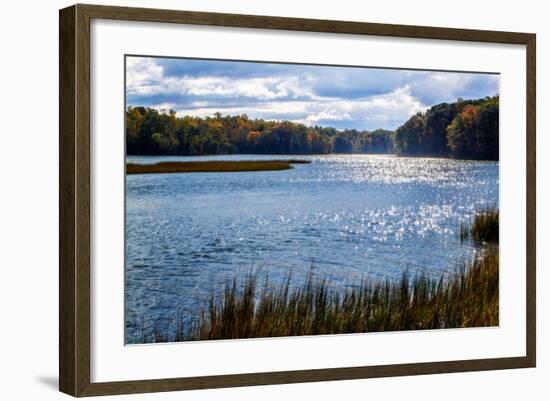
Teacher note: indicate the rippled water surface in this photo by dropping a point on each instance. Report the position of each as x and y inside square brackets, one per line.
[347, 216]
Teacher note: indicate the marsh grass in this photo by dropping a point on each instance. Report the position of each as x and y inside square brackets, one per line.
[484, 228]
[212, 166]
[253, 306]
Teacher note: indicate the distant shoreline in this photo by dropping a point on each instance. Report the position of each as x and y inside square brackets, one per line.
[313, 154]
[222, 166]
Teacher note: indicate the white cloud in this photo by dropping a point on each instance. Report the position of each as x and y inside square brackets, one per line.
[446, 86]
[293, 94]
[142, 72]
[372, 112]
[164, 106]
[145, 77]
[324, 115]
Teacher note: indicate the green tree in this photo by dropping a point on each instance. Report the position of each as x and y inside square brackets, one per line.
[342, 145]
[409, 136]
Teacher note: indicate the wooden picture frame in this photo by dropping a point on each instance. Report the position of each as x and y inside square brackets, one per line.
[74, 203]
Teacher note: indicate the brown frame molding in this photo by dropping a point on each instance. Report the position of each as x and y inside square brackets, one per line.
[74, 199]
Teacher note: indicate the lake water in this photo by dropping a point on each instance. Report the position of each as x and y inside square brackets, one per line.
[348, 216]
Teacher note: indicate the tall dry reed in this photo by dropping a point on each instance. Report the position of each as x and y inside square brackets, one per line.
[484, 227]
[254, 307]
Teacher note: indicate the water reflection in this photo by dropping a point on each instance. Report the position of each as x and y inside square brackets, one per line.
[349, 216]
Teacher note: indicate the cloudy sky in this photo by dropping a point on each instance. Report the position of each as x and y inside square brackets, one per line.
[341, 97]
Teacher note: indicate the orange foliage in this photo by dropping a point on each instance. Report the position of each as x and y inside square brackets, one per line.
[253, 135]
[469, 114]
[311, 136]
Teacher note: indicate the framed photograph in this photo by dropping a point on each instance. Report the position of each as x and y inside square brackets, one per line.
[249, 200]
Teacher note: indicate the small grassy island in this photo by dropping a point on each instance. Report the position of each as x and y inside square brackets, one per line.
[222, 166]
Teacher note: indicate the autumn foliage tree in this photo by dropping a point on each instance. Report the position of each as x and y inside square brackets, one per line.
[463, 130]
[153, 132]
[474, 132]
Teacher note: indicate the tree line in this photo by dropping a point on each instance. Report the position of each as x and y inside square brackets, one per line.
[463, 129]
[153, 132]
